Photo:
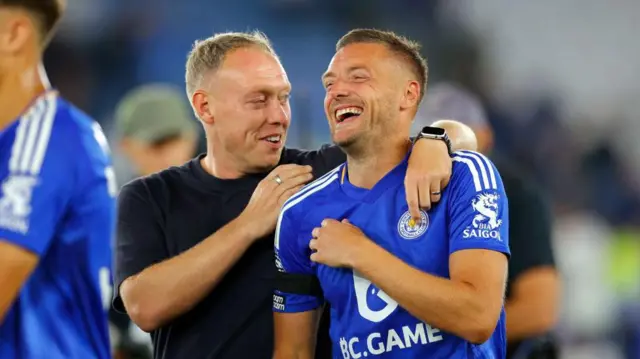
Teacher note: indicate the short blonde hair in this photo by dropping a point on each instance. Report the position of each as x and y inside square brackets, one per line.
[207, 55]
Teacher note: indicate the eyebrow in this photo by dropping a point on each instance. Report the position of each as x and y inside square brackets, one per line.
[330, 74]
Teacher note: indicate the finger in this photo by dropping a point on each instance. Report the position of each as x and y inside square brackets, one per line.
[411, 190]
[435, 192]
[315, 233]
[314, 257]
[292, 171]
[284, 196]
[297, 181]
[345, 221]
[313, 244]
[424, 193]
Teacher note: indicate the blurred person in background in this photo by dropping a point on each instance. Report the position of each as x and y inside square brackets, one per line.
[57, 203]
[156, 130]
[194, 263]
[533, 288]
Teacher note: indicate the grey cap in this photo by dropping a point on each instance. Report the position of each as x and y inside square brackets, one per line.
[451, 102]
[153, 112]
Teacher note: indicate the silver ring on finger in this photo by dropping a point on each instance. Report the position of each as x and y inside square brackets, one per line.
[436, 193]
[277, 179]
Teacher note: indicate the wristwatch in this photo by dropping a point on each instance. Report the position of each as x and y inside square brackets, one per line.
[435, 133]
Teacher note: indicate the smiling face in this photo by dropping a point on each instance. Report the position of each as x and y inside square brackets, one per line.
[248, 99]
[365, 89]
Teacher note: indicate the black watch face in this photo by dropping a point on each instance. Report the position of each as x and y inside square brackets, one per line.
[435, 131]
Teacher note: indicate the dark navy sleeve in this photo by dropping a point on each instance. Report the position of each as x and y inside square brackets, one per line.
[293, 259]
[139, 236]
[478, 208]
[322, 161]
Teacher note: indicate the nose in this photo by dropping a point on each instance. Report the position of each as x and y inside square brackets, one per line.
[279, 113]
[338, 90]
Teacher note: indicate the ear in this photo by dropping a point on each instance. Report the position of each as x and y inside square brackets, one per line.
[202, 106]
[16, 31]
[411, 96]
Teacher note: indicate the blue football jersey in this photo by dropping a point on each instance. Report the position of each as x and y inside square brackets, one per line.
[365, 321]
[57, 200]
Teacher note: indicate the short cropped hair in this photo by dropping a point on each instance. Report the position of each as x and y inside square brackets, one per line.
[46, 12]
[407, 49]
[208, 55]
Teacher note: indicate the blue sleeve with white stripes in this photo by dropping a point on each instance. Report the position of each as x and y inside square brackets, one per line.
[293, 258]
[478, 206]
[39, 180]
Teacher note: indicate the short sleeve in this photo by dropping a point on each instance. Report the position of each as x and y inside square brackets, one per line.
[478, 207]
[294, 268]
[34, 196]
[139, 236]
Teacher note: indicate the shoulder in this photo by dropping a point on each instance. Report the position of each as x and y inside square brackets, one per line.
[154, 188]
[476, 169]
[322, 160]
[313, 192]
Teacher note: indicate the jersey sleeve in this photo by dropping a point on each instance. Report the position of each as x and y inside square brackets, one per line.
[139, 236]
[38, 187]
[478, 207]
[297, 287]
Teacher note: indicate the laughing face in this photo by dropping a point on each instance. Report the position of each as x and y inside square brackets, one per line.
[362, 95]
[251, 112]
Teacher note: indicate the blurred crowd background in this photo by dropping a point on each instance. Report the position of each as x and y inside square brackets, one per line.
[559, 81]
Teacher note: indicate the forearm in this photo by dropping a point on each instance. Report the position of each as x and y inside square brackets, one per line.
[170, 288]
[533, 306]
[442, 303]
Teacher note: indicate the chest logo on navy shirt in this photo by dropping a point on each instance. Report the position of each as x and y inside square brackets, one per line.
[409, 229]
[15, 203]
[485, 223]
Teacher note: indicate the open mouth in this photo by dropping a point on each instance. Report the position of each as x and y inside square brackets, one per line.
[274, 139]
[347, 113]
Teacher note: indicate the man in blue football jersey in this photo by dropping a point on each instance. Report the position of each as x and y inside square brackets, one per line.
[57, 203]
[398, 288]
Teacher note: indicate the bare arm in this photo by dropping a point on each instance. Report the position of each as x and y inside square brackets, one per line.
[467, 305]
[16, 264]
[295, 334]
[533, 307]
[167, 289]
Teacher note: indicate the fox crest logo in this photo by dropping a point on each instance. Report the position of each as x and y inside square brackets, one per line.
[485, 223]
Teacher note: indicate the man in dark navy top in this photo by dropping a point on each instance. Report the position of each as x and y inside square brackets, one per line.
[194, 260]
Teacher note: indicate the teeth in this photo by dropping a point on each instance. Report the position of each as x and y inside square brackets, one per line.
[350, 110]
[273, 138]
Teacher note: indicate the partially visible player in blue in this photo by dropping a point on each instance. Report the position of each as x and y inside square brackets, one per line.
[397, 288]
[57, 204]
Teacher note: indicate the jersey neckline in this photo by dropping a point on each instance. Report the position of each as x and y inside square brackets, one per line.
[371, 195]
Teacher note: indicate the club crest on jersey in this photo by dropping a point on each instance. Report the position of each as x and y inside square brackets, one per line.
[409, 229]
[485, 223]
[15, 203]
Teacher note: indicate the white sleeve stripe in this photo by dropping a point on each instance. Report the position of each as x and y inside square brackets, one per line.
[17, 145]
[299, 199]
[472, 169]
[33, 124]
[314, 184]
[45, 134]
[488, 164]
[481, 165]
[32, 137]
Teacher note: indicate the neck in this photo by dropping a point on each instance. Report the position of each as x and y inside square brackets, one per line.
[367, 168]
[17, 91]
